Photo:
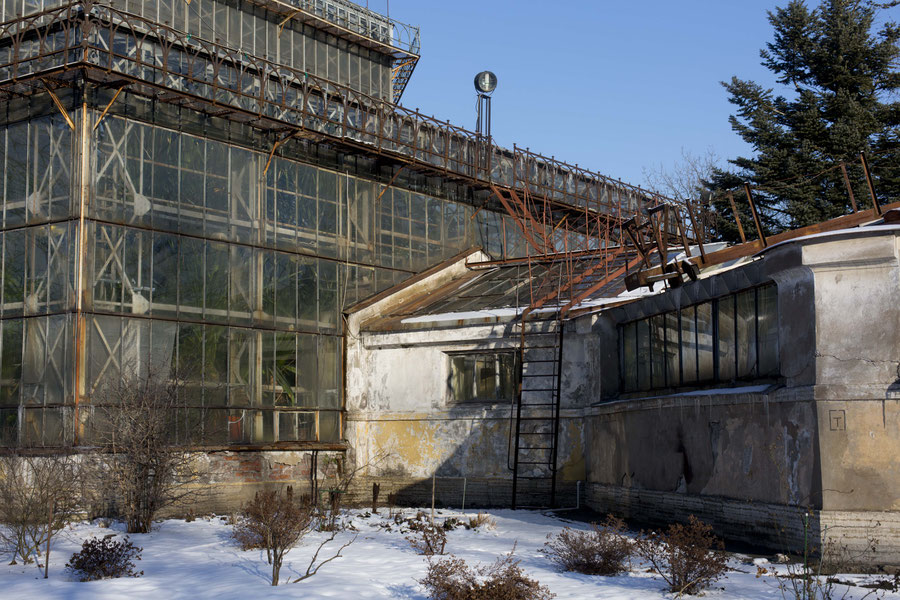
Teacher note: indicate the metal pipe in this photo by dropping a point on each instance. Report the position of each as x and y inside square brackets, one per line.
[849, 187]
[759, 229]
[865, 166]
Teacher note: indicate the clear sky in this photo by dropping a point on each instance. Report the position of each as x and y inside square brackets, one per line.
[614, 86]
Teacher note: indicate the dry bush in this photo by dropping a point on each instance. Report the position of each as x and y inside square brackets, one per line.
[688, 557]
[602, 550]
[808, 579]
[146, 465]
[277, 522]
[482, 521]
[453, 579]
[39, 496]
[274, 521]
[427, 539]
[105, 558]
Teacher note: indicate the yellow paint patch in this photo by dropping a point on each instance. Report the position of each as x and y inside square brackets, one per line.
[411, 443]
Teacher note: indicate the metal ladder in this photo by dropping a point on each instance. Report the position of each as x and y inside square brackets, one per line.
[534, 417]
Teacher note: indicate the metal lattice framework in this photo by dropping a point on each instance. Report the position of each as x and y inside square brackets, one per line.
[105, 46]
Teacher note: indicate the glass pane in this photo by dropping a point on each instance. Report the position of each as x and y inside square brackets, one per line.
[705, 342]
[329, 372]
[689, 345]
[263, 426]
[11, 365]
[643, 354]
[329, 426]
[486, 377]
[216, 300]
[658, 350]
[242, 356]
[461, 379]
[307, 371]
[769, 361]
[508, 376]
[306, 426]
[284, 371]
[9, 426]
[673, 363]
[165, 274]
[287, 426]
[629, 357]
[726, 341]
[746, 334]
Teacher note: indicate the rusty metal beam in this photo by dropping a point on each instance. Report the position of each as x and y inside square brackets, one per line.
[849, 187]
[520, 219]
[599, 285]
[759, 227]
[865, 166]
[572, 282]
[737, 217]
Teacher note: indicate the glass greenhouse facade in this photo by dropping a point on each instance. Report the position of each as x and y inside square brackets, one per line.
[206, 195]
[195, 254]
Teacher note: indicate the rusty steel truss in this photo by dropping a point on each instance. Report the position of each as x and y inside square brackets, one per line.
[565, 213]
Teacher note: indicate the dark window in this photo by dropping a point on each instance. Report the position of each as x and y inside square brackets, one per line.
[728, 339]
[483, 377]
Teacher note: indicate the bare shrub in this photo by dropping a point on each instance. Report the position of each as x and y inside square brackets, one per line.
[427, 539]
[688, 557]
[105, 558]
[602, 550]
[145, 464]
[482, 521]
[808, 579]
[453, 579]
[39, 496]
[277, 522]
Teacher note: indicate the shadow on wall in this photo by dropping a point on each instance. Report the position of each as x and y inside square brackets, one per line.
[746, 463]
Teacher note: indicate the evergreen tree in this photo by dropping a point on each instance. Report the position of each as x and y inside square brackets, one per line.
[839, 83]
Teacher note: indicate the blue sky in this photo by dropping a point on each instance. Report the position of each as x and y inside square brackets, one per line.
[613, 86]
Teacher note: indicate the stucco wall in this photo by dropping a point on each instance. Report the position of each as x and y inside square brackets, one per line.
[823, 436]
[402, 422]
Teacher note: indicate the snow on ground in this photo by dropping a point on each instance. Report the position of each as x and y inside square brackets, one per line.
[200, 560]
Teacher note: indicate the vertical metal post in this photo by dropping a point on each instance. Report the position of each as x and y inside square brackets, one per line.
[737, 218]
[80, 338]
[556, 409]
[515, 482]
[849, 187]
[865, 166]
[697, 232]
[759, 229]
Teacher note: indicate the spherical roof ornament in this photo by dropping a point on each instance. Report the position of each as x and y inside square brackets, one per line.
[485, 82]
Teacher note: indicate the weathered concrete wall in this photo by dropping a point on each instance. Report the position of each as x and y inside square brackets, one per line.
[401, 421]
[748, 446]
[824, 436]
[857, 358]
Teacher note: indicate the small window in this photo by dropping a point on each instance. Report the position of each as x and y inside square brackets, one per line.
[482, 377]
